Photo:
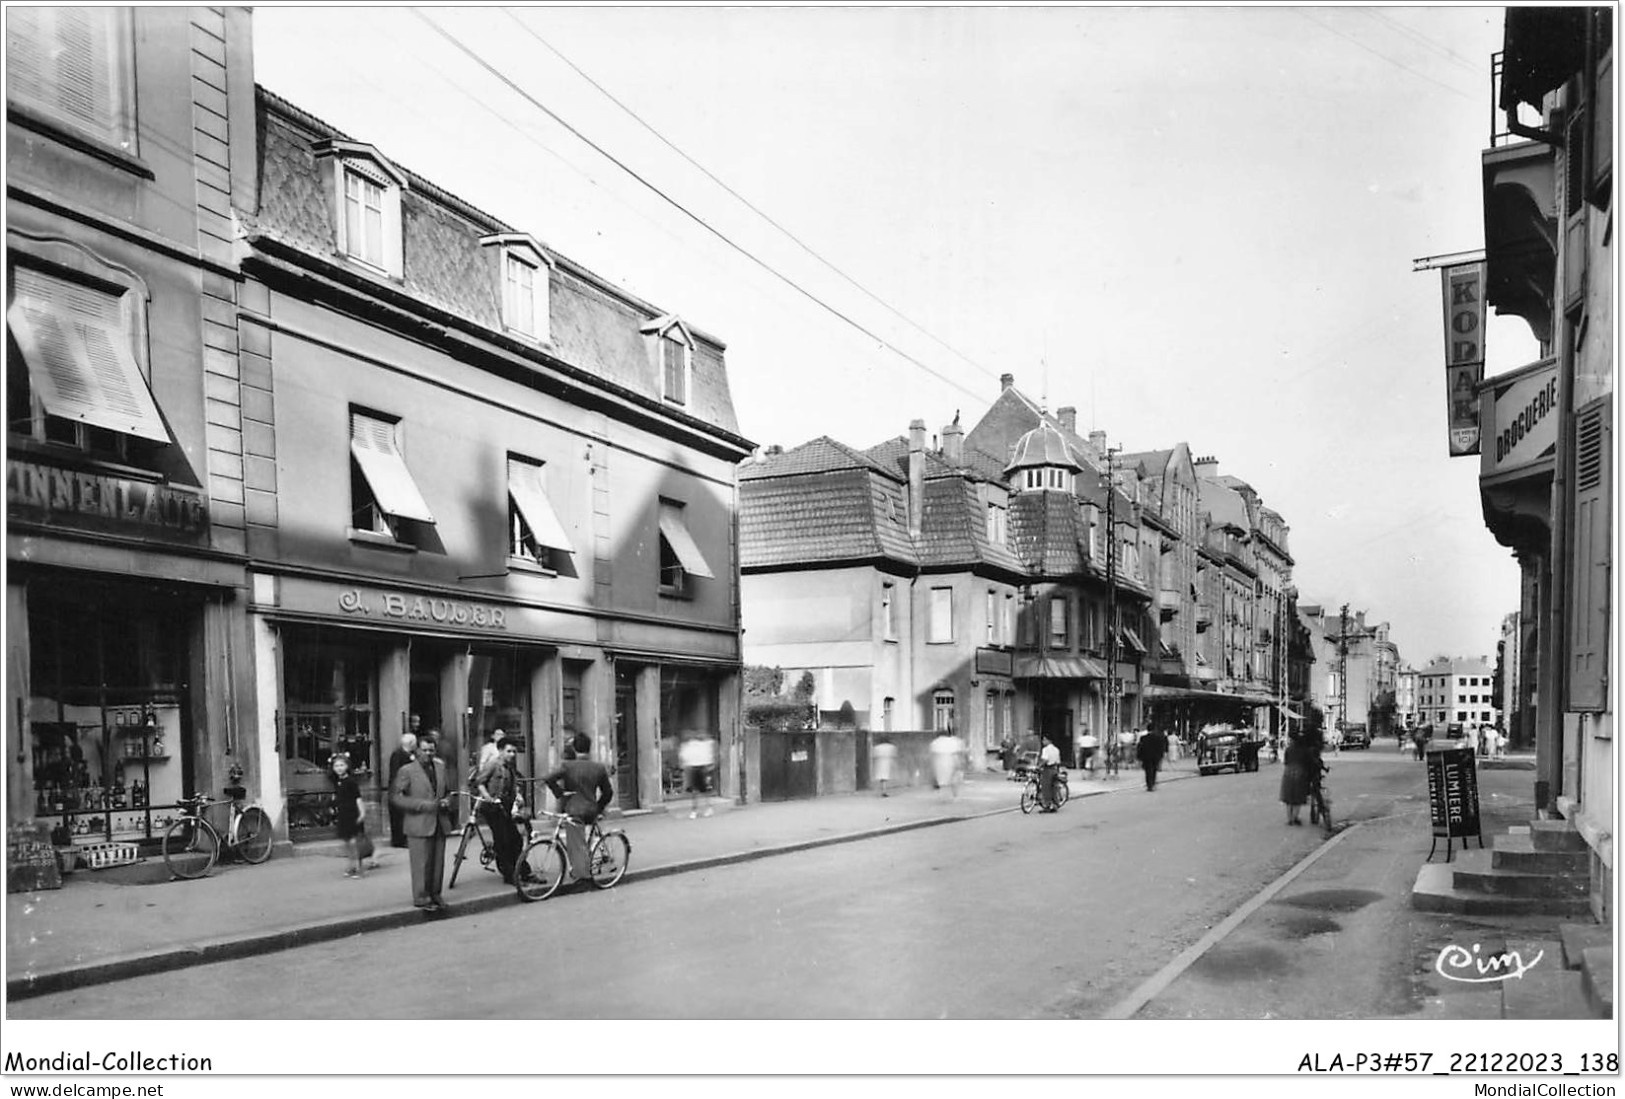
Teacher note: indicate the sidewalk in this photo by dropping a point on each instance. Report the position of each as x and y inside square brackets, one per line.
[94, 930]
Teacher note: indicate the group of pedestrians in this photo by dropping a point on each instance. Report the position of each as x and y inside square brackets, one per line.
[419, 800]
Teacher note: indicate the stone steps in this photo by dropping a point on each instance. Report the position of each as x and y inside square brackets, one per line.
[1518, 852]
[1539, 869]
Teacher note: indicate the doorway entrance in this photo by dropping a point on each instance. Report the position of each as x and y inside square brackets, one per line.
[624, 767]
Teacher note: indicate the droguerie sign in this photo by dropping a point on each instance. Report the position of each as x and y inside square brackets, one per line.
[55, 496]
[1522, 419]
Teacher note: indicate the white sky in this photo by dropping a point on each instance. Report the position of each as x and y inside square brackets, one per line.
[1190, 223]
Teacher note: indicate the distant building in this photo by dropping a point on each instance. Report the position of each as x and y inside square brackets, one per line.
[1456, 692]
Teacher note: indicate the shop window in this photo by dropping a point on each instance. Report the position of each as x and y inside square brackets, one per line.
[940, 629]
[688, 707]
[534, 531]
[328, 707]
[108, 709]
[74, 67]
[384, 499]
[680, 558]
[74, 372]
[499, 698]
[942, 711]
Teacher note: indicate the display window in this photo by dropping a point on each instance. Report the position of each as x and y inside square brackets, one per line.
[688, 705]
[109, 714]
[499, 698]
[329, 689]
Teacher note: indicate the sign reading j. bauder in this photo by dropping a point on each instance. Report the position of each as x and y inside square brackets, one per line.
[1522, 423]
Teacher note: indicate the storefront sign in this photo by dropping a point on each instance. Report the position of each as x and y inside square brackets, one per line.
[397, 607]
[1521, 420]
[1464, 352]
[1453, 793]
[993, 662]
[48, 494]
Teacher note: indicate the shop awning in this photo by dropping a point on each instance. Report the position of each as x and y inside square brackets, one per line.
[530, 497]
[374, 447]
[77, 345]
[675, 532]
[1059, 667]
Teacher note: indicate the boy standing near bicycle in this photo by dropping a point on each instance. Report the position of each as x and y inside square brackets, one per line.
[498, 783]
[583, 790]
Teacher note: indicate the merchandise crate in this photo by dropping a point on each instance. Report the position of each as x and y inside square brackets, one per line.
[101, 856]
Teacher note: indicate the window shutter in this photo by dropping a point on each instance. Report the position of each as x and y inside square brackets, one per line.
[1588, 595]
[79, 354]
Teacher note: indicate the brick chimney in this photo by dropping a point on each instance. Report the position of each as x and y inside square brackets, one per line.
[1006, 381]
[1068, 417]
[1207, 467]
[916, 476]
[953, 444]
[1097, 442]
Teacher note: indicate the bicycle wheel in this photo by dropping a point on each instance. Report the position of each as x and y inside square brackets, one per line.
[191, 848]
[462, 853]
[1062, 792]
[609, 859]
[254, 835]
[1325, 806]
[541, 870]
[1029, 797]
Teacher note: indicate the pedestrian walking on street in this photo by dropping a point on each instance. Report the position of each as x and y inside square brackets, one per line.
[349, 815]
[1088, 748]
[423, 791]
[696, 756]
[1152, 746]
[885, 758]
[400, 757]
[1419, 738]
[1295, 777]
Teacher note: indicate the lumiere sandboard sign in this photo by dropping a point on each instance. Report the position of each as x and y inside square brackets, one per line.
[1464, 353]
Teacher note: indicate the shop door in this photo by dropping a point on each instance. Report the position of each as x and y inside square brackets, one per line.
[625, 768]
[1055, 726]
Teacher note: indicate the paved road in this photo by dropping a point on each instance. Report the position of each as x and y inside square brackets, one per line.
[1009, 916]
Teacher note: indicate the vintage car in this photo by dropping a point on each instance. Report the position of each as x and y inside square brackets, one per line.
[1219, 748]
[1356, 736]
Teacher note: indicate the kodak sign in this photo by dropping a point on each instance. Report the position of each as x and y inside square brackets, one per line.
[1464, 353]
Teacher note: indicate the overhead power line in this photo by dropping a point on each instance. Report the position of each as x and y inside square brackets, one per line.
[803, 245]
[1321, 23]
[474, 56]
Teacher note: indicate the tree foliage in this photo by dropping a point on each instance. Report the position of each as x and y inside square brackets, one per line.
[767, 706]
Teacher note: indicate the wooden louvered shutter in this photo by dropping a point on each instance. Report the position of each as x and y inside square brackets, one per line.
[70, 63]
[1589, 553]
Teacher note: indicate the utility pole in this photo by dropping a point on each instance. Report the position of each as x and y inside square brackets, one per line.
[1343, 672]
[1113, 688]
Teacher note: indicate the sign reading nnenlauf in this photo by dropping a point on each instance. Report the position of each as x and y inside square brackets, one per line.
[1464, 353]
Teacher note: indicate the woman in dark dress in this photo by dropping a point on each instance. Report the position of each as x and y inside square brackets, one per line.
[349, 813]
[1295, 777]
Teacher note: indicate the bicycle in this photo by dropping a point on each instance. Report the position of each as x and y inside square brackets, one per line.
[472, 830]
[544, 862]
[192, 845]
[1031, 795]
[1320, 803]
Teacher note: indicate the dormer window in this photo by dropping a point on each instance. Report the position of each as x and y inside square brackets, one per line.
[367, 205]
[674, 358]
[525, 272]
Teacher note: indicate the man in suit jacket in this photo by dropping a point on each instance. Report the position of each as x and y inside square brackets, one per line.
[422, 789]
[399, 758]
